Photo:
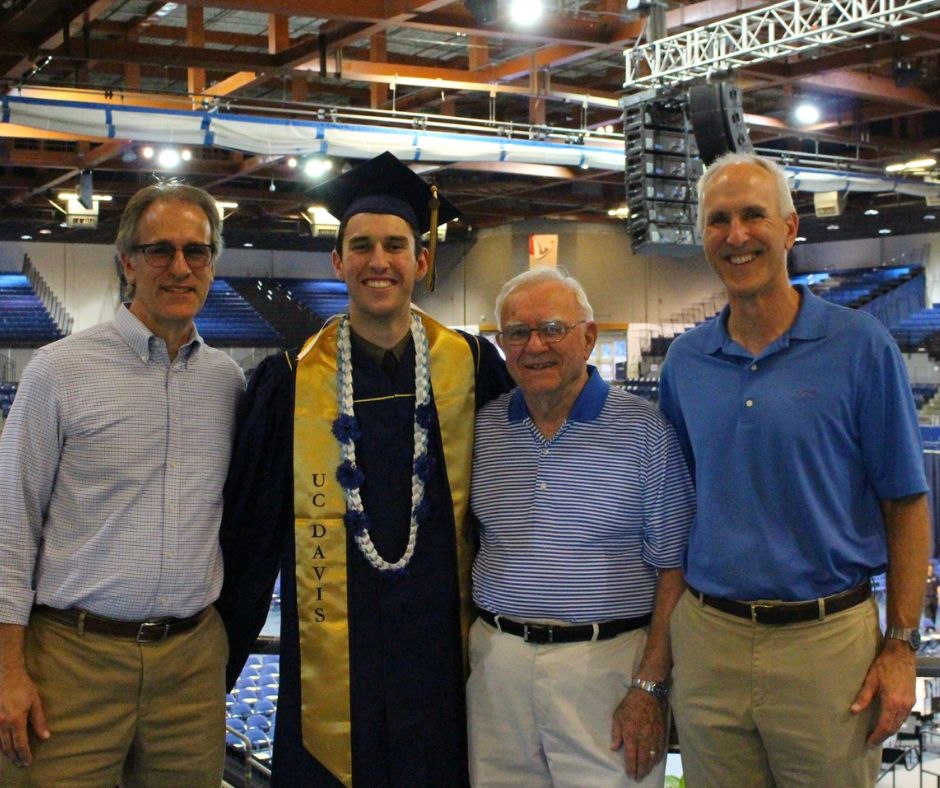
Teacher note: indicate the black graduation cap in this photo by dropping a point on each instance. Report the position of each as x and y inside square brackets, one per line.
[385, 185]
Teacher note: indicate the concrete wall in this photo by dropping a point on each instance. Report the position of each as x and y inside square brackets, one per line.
[622, 287]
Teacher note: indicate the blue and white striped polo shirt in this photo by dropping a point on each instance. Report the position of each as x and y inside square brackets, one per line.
[574, 528]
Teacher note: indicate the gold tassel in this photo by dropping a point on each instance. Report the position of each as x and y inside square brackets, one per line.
[434, 204]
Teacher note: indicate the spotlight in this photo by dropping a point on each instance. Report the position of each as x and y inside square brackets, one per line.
[871, 212]
[168, 158]
[525, 13]
[146, 152]
[186, 154]
[292, 162]
[316, 167]
[806, 114]
[26, 237]
[884, 231]
[45, 231]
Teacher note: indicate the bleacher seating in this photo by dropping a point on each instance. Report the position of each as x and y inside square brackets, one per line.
[251, 715]
[7, 393]
[912, 333]
[228, 320]
[323, 297]
[24, 320]
[923, 393]
[647, 388]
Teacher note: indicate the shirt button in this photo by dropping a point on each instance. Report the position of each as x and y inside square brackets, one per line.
[545, 452]
[749, 403]
[753, 367]
[543, 486]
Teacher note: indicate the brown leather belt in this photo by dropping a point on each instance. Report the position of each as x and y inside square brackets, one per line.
[563, 633]
[776, 613]
[142, 631]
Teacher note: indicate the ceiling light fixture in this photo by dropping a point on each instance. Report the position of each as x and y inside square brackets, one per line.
[317, 167]
[912, 165]
[806, 114]
[292, 162]
[525, 13]
[147, 152]
[168, 158]
[871, 212]
[96, 197]
[884, 231]
[832, 227]
[186, 154]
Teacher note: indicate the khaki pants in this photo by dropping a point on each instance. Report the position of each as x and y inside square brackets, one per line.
[148, 714]
[758, 705]
[540, 715]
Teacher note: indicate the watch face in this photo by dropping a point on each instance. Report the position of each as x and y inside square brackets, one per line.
[915, 639]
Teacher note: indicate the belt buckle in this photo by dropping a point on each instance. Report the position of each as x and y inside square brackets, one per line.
[537, 633]
[150, 631]
[755, 606]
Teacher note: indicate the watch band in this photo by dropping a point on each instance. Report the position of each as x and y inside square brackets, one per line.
[657, 689]
[910, 635]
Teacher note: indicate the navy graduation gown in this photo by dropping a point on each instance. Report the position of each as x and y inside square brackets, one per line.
[406, 669]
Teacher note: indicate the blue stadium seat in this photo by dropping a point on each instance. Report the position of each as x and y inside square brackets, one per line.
[240, 711]
[260, 722]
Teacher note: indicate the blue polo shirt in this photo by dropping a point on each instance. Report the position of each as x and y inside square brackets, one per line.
[791, 452]
[575, 527]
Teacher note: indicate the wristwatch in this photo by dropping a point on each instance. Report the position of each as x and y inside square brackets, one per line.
[655, 688]
[909, 636]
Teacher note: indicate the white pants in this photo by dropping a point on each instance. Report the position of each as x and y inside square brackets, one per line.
[540, 715]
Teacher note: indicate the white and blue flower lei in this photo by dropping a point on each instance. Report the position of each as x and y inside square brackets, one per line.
[347, 432]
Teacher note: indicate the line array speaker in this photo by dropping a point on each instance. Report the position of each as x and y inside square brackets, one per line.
[718, 120]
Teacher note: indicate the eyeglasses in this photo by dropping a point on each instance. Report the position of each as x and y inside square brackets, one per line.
[549, 331]
[161, 255]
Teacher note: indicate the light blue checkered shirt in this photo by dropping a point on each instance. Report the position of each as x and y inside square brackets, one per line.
[111, 470]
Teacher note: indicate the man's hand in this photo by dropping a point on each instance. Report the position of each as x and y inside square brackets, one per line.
[890, 678]
[19, 705]
[639, 726]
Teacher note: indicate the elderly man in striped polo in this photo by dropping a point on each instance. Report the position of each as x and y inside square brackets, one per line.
[584, 504]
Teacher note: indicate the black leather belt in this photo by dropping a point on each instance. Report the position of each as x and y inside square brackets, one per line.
[788, 612]
[141, 631]
[563, 633]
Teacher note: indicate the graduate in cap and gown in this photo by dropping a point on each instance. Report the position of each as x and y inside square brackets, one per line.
[351, 476]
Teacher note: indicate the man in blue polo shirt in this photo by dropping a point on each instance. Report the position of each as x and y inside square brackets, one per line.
[584, 504]
[797, 420]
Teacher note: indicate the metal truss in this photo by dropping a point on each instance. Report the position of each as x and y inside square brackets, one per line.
[770, 33]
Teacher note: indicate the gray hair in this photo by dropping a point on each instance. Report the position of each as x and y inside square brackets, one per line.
[536, 276]
[784, 197]
[170, 190]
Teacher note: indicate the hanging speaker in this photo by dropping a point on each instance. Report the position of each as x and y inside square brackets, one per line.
[718, 120]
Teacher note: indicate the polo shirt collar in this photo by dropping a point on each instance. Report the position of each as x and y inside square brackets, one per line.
[587, 407]
[811, 323]
[139, 338]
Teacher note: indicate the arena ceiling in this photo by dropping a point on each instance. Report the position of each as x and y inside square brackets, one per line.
[412, 62]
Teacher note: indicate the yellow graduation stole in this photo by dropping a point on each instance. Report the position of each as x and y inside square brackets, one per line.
[320, 534]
